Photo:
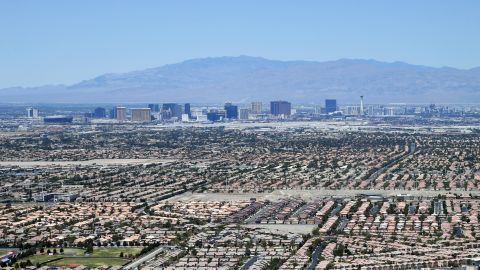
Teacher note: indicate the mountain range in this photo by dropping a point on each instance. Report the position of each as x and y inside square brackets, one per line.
[245, 79]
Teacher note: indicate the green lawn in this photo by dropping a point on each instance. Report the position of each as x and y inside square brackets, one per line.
[39, 258]
[71, 251]
[91, 260]
[115, 251]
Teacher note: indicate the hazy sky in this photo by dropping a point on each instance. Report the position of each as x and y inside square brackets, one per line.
[52, 42]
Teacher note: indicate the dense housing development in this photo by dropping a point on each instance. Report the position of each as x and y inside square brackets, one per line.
[233, 186]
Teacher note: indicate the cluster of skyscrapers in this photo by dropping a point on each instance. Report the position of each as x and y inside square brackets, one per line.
[178, 112]
[279, 109]
[166, 111]
[32, 113]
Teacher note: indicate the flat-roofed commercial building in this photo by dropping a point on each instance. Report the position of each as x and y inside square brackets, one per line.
[58, 119]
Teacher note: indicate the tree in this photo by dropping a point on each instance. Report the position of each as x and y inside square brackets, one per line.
[89, 248]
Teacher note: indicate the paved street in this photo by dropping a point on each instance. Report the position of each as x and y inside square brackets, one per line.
[136, 263]
[315, 255]
[249, 263]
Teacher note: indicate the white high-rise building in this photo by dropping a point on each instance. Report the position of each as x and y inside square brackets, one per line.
[362, 111]
[121, 113]
[256, 107]
[32, 113]
[243, 114]
[351, 110]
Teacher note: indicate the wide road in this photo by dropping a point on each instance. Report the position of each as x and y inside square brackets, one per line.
[374, 175]
[312, 194]
[315, 255]
[283, 228]
[69, 163]
[249, 263]
[136, 263]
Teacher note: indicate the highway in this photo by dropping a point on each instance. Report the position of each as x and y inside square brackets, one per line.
[312, 194]
[249, 263]
[412, 148]
[137, 262]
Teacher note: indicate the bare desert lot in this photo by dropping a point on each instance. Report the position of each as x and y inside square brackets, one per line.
[103, 162]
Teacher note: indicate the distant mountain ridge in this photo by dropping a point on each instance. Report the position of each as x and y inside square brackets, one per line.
[245, 78]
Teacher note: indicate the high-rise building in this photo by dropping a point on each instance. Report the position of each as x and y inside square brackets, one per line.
[141, 114]
[351, 110]
[256, 107]
[231, 111]
[280, 108]
[154, 107]
[187, 110]
[330, 105]
[112, 113]
[121, 113]
[362, 111]
[99, 113]
[389, 111]
[87, 117]
[32, 113]
[244, 114]
[170, 110]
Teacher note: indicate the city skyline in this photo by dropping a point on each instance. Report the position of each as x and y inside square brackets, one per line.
[239, 135]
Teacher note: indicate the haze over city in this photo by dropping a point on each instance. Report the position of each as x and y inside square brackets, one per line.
[249, 135]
